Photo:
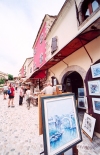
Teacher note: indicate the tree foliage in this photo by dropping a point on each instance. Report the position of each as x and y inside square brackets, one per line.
[10, 77]
[2, 81]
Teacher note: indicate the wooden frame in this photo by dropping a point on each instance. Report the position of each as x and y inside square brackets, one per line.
[88, 125]
[61, 129]
[94, 87]
[59, 86]
[96, 105]
[95, 69]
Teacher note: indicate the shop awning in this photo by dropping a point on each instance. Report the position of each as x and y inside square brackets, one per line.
[89, 34]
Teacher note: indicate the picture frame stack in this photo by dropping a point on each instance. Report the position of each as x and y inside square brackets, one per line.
[82, 100]
[94, 88]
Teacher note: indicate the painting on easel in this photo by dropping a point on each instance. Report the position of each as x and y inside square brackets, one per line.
[61, 129]
[88, 125]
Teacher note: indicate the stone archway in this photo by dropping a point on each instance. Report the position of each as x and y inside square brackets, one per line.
[76, 68]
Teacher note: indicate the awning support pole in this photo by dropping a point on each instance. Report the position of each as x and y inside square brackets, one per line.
[52, 72]
[86, 50]
[65, 62]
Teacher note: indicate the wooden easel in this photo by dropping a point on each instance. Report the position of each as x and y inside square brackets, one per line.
[40, 112]
[87, 134]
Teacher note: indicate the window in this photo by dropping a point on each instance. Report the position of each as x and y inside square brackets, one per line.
[95, 5]
[34, 65]
[31, 70]
[41, 38]
[41, 58]
[54, 45]
[34, 51]
[88, 7]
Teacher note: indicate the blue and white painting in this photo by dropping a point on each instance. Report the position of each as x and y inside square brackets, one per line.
[80, 92]
[94, 87]
[96, 105]
[62, 124]
[95, 70]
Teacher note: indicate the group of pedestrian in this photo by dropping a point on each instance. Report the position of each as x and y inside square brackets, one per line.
[23, 92]
[8, 90]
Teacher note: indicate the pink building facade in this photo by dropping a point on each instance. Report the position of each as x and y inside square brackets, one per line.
[39, 49]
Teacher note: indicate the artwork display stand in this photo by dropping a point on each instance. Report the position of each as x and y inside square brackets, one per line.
[87, 135]
[40, 113]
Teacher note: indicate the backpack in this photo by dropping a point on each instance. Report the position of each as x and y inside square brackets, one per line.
[9, 91]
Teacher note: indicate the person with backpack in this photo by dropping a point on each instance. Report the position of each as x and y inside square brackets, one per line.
[5, 89]
[11, 93]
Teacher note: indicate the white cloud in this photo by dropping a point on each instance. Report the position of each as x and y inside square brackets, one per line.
[19, 26]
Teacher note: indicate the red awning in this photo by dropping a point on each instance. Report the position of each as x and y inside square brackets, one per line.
[89, 34]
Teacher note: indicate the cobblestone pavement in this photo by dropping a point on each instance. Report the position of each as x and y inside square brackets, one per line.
[19, 129]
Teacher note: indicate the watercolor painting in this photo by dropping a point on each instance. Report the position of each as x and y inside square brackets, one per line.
[96, 105]
[81, 103]
[80, 92]
[88, 124]
[95, 69]
[94, 87]
[61, 124]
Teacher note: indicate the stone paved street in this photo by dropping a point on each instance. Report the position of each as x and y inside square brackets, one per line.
[19, 129]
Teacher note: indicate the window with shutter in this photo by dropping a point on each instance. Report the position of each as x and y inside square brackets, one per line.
[34, 65]
[54, 45]
[34, 52]
[41, 38]
[87, 8]
[31, 70]
[41, 58]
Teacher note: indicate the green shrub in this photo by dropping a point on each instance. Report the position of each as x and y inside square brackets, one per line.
[2, 81]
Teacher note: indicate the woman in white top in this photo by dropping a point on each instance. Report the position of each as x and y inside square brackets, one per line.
[5, 90]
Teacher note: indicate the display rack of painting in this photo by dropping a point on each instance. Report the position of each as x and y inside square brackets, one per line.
[94, 88]
[82, 100]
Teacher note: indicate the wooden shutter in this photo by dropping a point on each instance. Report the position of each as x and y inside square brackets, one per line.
[54, 45]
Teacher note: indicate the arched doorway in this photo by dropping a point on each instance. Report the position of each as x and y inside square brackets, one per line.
[72, 80]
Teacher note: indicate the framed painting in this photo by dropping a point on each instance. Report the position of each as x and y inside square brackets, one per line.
[80, 92]
[61, 129]
[95, 69]
[96, 105]
[94, 87]
[60, 87]
[88, 125]
[82, 102]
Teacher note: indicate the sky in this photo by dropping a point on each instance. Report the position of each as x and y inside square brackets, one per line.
[20, 21]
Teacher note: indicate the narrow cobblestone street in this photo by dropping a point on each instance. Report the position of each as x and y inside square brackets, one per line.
[19, 129]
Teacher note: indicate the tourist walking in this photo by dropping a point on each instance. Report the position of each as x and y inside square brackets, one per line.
[28, 97]
[11, 93]
[21, 95]
[5, 89]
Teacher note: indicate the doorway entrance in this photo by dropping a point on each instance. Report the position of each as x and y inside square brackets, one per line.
[72, 80]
